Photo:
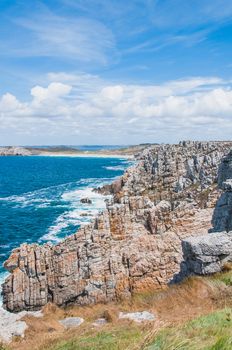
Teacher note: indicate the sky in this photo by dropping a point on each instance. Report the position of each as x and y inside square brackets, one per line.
[114, 71]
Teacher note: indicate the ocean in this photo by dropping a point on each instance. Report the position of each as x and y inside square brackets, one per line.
[40, 197]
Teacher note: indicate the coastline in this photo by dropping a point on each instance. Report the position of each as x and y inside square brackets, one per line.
[112, 237]
[86, 155]
[93, 212]
[65, 151]
[18, 325]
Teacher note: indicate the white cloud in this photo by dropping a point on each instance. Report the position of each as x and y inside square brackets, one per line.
[9, 103]
[198, 108]
[52, 92]
[45, 34]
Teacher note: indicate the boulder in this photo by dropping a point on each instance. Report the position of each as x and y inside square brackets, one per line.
[86, 200]
[71, 322]
[99, 322]
[11, 324]
[205, 255]
[142, 316]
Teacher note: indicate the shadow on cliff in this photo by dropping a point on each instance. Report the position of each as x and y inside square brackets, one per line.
[221, 222]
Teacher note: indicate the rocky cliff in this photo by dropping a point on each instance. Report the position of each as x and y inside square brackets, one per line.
[135, 244]
[209, 254]
[222, 218]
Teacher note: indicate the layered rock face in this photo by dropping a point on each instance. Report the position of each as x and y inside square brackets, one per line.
[208, 254]
[222, 218]
[135, 244]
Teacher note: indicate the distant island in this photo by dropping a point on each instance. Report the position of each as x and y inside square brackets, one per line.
[122, 151]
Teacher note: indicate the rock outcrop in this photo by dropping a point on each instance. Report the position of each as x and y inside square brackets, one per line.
[12, 325]
[222, 217]
[208, 254]
[14, 151]
[135, 244]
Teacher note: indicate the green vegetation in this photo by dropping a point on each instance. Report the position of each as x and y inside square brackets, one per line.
[117, 338]
[225, 278]
[2, 347]
[211, 332]
[194, 315]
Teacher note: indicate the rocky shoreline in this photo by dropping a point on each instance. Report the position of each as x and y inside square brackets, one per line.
[136, 243]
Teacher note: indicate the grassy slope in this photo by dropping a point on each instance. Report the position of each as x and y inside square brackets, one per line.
[113, 338]
[211, 332]
[196, 315]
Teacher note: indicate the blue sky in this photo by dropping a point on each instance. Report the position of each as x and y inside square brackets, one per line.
[78, 71]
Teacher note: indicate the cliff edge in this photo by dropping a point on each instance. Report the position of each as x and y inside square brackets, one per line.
[210, 254]
[135, 244]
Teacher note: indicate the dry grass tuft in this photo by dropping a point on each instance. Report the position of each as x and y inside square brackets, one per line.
[173, 307]
[110, 315]
[227, 267]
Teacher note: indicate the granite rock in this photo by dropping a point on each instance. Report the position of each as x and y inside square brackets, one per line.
[135, 244]
[11, 325]
[142, 316]
[99, 322]
[71, 322]
[208, 254]
[222, 217]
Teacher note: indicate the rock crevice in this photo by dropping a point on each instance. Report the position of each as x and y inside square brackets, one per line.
[135, 244]
[209, 254]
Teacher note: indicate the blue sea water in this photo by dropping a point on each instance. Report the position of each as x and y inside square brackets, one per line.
[40, 197]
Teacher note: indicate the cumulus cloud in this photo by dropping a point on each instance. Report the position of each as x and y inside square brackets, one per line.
[52, 92]
[196, 108]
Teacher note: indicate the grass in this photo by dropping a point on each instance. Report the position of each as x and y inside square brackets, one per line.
[194, 315]
[116, 338]
[2, 347]
[210, 332]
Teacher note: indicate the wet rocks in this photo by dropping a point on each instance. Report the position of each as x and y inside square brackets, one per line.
[135, 244]
[86, 200]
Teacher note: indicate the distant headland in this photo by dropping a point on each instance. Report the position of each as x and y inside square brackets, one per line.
[104, 151]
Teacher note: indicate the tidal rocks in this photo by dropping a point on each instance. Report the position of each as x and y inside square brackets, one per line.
[135, 244]
[86, 200]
